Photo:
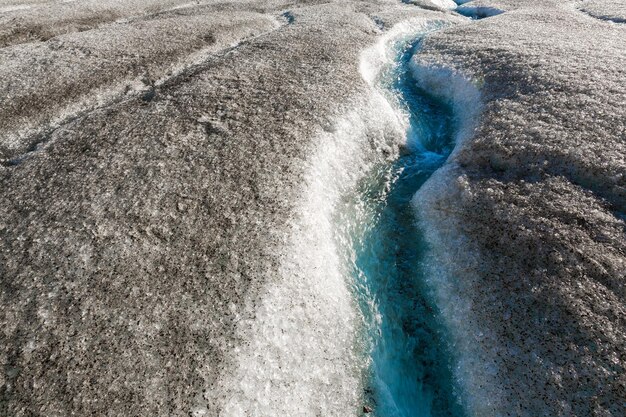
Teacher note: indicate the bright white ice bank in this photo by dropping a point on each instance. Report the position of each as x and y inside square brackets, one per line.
[304, 354]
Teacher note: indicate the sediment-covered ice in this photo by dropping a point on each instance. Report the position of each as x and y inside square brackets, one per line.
[156, 246]
[169, 250]
[525, 220]
[67, 76]
[301, 355]
[607, 10]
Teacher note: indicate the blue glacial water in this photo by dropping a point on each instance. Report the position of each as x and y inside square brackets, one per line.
[410, 371]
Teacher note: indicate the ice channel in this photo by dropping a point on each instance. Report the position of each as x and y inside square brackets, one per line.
[410, 364]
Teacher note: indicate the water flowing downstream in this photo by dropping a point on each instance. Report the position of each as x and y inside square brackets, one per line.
[351, 321]
[410, 365]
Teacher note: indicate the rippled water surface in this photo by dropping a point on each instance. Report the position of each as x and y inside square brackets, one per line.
[410, 362]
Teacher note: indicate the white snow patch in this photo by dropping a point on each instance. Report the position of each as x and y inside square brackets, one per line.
[444, 4]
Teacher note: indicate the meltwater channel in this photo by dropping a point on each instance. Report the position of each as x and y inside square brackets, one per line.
[410, 362]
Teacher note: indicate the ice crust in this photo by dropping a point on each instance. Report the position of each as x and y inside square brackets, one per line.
[444, 4]
[524, 221]
[164, 246]
[66, 76]
[151, 243]
[608, 10]
[4, 9]
[301, 357]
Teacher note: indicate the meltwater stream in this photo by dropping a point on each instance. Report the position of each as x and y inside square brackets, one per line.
[410, 365]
